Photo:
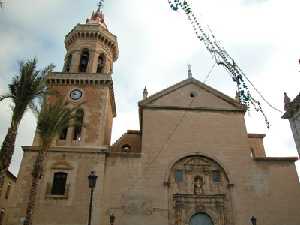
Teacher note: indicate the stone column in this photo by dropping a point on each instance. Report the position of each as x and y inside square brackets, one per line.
[75, 62]
[92, 66]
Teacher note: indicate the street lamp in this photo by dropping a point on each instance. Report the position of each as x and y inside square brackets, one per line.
[92, 183]
[253, 220]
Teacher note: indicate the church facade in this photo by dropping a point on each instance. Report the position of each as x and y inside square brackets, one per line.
[192, 161]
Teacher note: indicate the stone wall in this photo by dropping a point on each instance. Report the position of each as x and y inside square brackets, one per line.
[71, 208]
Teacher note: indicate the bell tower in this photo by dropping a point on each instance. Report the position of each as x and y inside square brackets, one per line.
[91, 48]
[86, 80]
[79, 150]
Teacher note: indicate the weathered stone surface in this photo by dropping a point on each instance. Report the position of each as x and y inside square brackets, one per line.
[188, 127]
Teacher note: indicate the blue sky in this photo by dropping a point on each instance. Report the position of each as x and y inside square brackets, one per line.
[156, 44]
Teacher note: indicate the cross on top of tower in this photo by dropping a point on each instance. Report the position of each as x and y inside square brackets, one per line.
[98, 16]
[100, 4]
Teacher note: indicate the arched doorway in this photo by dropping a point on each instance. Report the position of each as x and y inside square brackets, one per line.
[201, 219]
[197, 183]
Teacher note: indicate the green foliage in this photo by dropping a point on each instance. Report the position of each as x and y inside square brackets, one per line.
[53, 118]
[25, 88]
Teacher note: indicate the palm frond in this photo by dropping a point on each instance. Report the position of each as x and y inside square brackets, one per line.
[53, 118]
[27, 86]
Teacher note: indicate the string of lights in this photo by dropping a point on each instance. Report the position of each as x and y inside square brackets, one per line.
[221, 57]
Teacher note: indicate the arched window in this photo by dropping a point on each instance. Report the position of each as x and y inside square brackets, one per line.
[68, 63]
[59, 183]
[201, 219]
[101, 63]
[84, 60]
[78, 124]
[216, 176]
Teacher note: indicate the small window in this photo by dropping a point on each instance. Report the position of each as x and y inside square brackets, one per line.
[7, 190]
[84, 60]
[126, 148]
[2, 214]
[216, 176]
[78, 124]
[63, 134]
[59, 183]
[178, 176]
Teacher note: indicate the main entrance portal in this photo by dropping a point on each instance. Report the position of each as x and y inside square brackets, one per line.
[199, 192]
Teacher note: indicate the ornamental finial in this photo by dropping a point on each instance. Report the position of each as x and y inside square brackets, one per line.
[145, 93]
[190, 75]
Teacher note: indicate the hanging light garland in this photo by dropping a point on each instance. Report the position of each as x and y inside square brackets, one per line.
[222, 58]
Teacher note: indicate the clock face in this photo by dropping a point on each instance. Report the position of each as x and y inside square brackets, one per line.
[75, 94]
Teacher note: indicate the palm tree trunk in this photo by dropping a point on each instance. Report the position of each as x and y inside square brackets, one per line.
[36, 176]
[6, 153]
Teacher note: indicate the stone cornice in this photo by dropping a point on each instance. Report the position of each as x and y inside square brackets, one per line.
[256, 135]
[78, 78]
[125, 154]
[73, 149]
[95, 79]
[154, 107]
[93, 32]
[277, 159]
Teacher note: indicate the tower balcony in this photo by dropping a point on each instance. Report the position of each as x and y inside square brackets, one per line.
[61, 78]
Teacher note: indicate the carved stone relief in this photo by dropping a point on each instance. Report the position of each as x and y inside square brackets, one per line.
[202, 188]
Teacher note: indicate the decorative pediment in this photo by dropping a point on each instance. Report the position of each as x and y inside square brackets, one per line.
[191, 94]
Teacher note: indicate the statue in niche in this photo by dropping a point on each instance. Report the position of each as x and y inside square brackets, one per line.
[198, 185]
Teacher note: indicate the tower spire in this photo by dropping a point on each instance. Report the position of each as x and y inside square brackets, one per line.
[98, 16]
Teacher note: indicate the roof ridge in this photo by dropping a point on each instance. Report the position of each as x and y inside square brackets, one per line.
[119, 139]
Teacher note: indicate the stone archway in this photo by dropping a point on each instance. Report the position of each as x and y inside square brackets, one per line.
[199, 184]
[201, 219]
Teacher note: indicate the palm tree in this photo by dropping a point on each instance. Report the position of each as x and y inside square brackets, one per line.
[24, 89]
[52, 120]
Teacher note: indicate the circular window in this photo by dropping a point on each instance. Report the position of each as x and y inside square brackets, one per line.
[193, 94]
[126, 148]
